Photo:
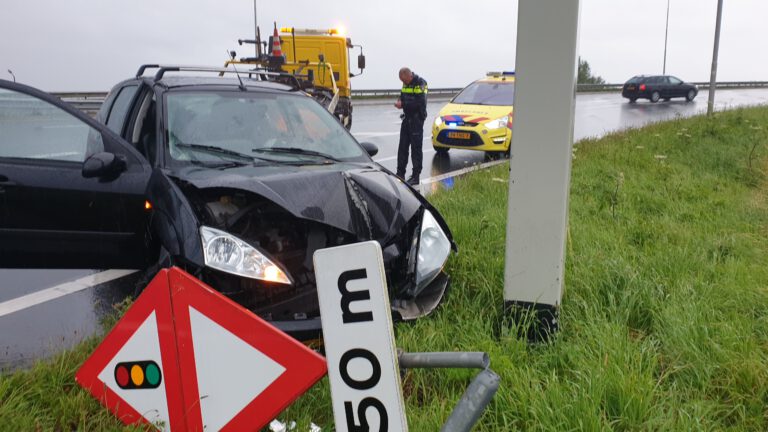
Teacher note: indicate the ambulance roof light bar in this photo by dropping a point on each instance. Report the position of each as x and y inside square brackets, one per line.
[497, 74]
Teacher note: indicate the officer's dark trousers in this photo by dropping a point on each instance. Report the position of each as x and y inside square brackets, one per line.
[411, 136]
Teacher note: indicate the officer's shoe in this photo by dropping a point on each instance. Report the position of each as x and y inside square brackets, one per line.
[413, 181]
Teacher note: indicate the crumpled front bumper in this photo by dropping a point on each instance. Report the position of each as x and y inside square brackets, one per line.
[402, 310]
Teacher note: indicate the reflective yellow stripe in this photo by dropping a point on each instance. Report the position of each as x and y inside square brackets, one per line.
[414, 90]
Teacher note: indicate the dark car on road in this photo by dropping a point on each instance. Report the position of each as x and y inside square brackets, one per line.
[655, 87]
[236, 180]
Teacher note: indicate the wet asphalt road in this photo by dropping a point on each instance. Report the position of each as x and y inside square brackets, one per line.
[29, 331]
[596, 114]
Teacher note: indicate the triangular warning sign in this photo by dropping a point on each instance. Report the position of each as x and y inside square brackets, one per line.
[184, 357]
[143, 345]
[213, 332]
[223, 395]
[144, 334]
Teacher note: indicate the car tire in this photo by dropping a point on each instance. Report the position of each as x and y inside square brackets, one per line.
[441, 150]
[496, 155]
[667, 99]
[690, 95]
[632, 100]
[655, 96]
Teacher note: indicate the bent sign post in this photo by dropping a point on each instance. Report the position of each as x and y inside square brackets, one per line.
[359, 342]
[184, 357]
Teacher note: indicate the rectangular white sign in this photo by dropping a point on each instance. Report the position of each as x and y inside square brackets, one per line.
[359, 341]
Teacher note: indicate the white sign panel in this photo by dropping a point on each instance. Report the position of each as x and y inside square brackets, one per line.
[359, 341]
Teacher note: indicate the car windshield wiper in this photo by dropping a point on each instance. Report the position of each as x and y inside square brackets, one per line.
[215, 150]
[218, 165]
[296, 150]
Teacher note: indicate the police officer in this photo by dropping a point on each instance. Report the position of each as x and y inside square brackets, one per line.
[413, 102]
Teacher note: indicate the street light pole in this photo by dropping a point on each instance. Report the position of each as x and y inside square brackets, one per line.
[256, 30]
[713, 76]
[666, 33]
[14, 76]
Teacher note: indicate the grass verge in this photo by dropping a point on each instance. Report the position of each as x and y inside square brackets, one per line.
[664, 316]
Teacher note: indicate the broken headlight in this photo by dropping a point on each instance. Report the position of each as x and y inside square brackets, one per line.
[227, 253]
[434, 248]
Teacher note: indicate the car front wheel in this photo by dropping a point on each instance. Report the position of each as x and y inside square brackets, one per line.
[691, 94]
[655, 96]
[441, 150]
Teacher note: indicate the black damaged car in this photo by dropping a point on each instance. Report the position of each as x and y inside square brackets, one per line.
[237, 180]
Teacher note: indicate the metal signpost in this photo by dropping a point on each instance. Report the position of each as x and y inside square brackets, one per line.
[540, 161]
[184, 357]
[360, 347]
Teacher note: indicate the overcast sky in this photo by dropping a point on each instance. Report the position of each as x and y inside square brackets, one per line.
[89, 45]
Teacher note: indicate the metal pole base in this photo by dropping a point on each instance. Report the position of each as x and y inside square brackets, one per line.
[536, 322]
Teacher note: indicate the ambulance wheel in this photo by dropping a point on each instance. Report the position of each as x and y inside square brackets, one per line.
[496, 155]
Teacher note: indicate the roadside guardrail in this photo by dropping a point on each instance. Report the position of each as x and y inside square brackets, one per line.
[90, 102]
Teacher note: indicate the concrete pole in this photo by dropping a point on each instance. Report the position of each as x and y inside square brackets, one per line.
[713, 75]
[540, 162]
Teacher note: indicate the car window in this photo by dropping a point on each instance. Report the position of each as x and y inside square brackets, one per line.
[487, 93]
[31, 128]
[674, 80]
[634, 80]
[120, 107]
[245, 121]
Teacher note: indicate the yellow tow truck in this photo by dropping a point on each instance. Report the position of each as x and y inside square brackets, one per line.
[319, 59]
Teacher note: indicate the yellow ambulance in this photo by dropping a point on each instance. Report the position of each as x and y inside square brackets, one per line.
[479, 117]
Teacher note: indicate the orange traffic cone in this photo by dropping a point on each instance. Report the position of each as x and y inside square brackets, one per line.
[277, 50]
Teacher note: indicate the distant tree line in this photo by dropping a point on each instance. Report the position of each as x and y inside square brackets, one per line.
[585, 74]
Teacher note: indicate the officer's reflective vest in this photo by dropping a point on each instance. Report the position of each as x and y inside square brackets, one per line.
[413, 96]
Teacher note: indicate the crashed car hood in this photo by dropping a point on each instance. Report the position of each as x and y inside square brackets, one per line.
[358, 198]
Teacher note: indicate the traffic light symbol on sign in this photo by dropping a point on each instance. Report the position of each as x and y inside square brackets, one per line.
[138, 375]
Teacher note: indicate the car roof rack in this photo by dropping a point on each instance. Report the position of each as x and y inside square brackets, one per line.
[162, 69]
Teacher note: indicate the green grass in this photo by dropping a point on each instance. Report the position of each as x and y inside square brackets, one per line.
[664, 315]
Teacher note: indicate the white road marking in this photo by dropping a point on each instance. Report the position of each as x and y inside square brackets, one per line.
[52, 293]
[63, 126]
[374, 134]
[53, 155]
[461, 171]
[395, 156]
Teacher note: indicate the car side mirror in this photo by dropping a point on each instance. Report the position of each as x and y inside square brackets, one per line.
[371, 148]
[361, 62]
[103, 165]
